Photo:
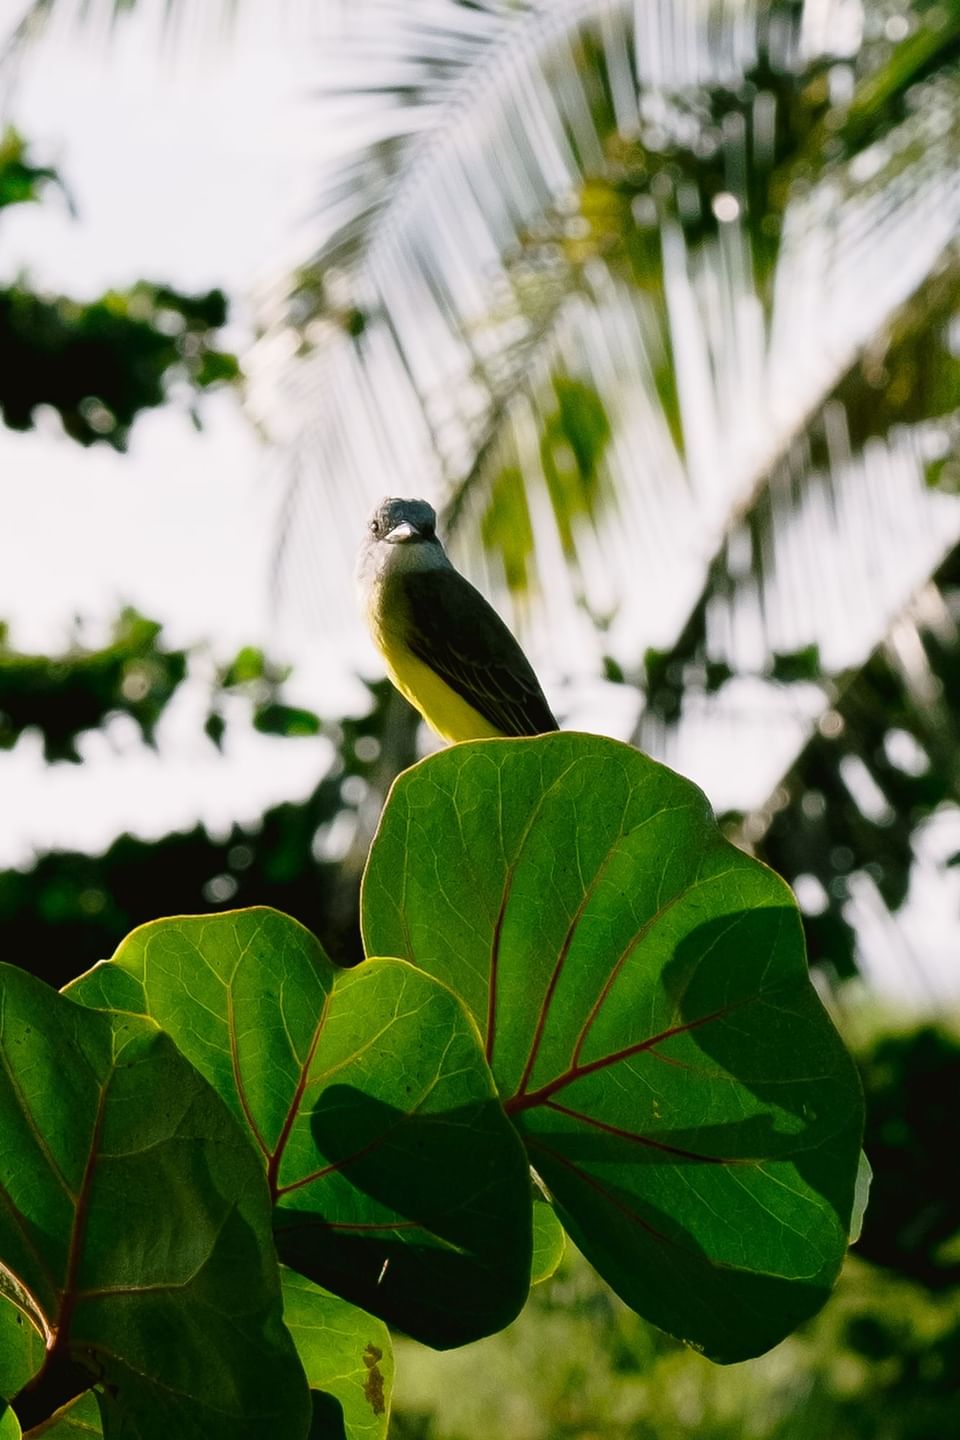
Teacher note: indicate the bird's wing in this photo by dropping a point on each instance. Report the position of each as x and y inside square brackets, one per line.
[459, 635]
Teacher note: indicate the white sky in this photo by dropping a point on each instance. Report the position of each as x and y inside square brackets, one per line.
[191, 169]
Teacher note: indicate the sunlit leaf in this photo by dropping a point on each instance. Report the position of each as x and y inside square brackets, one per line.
[861, 1197]
[348, 1359]
[644, 999]
[22, 1347]
[133, 1210]
[78, 1420]
[549, 1242]
[398, 1182]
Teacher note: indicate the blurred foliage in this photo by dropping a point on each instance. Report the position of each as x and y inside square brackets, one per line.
[911, 1080]
[252, 674]
[879, 1363]
[574, 440]
[882, 761]
[790, 119]
[62, 696]
[71, 909]
[100, 363]
[909, 375]
[20, 180]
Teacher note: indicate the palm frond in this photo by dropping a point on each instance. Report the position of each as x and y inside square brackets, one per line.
[856, 510]
[604, 196]
[100, 17]
[870, 808]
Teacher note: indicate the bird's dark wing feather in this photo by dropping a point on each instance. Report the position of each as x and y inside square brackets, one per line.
[459, 635]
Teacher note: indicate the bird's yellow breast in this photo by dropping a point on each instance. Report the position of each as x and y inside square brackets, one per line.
[444, 710]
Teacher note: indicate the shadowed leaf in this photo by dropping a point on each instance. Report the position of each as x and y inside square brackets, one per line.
[131, 1208]
[397, 1180]
[643, 995]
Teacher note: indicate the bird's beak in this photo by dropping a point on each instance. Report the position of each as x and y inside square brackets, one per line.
[402, 532]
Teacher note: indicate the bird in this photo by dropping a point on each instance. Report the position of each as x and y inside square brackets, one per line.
[446, 648]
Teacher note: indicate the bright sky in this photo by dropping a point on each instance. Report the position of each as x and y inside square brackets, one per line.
[192, 169]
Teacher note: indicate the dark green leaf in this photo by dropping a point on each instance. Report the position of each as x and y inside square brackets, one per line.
[62, 696]
[398, 1181]
[285, 720]
[100, 363]
[802, 664]
[134, 1216]
[214, 727]
[643, 993]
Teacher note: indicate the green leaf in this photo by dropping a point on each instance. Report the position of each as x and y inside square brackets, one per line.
[21, 1342]
[647, 1012]
[276, 719]
[9, 1427]
[348, 1359]
[398, 1181]
[549, 1242]
[78, 1420]
[861, 1197]
[20, 180]
[506, 529]
[134, 1216]
[574, 442]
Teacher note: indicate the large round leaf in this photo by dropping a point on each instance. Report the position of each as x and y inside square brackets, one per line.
[643, 994]
[135, 1222]
[398, 1181]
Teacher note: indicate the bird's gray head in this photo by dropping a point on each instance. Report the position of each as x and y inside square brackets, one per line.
[401, 536]
[401, 522]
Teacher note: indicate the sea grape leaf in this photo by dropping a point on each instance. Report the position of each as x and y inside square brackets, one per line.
[22, 1348]
[78, 1420]
[397, 1179]
[642, 991]
[348, 1359]
[9, 1425]
[134, 1215]
[549, 1242]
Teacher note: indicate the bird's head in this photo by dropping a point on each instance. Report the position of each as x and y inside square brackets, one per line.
[403, 522]
[401, 536]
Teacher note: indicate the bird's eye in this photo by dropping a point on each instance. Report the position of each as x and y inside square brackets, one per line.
[374, 527]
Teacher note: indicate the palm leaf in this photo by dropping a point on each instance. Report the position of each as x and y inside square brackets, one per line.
[102, 15]
[852, 515]
[592, 194]
[870, 806]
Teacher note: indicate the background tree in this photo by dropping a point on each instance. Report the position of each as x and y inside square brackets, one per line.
[663, 305]
[99, 364]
